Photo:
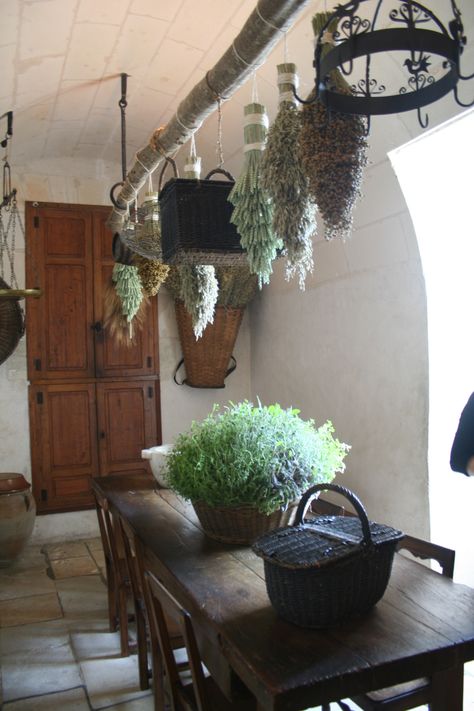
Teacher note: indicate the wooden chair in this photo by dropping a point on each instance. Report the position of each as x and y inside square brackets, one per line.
[185, 687]
[122, 586]
[409, 695]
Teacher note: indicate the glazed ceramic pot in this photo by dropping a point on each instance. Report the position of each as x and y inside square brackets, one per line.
[17, 516]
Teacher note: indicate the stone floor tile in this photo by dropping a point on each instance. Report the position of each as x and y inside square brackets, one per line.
[28, 610]
[29, 638]
[72, 700]
[94, 544]
[24, 583]
[112, 681]
[145, 703]
[66, 550]
[36, 660]
[73, 567]
[84, 598]
[31, 558]
[99, 558]
[101, 644]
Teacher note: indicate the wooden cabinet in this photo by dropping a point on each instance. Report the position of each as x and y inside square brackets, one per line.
[94, 405]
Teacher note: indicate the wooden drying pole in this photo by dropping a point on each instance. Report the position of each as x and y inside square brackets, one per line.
[250, 48]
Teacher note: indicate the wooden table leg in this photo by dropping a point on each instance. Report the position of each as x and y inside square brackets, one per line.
[447, 688]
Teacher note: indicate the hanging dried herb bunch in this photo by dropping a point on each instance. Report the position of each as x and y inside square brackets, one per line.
[237, 286]
[199, 292]
[152, 274]
[129, 290]
[115, 323]
[333, 151]
[294, 213]
[252, 213]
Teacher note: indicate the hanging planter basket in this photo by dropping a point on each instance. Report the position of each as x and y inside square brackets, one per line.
[207, 360]
[12, 325]
[195, 221]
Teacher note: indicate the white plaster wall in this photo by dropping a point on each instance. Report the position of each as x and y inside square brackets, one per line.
[88, 182]
[352, 348]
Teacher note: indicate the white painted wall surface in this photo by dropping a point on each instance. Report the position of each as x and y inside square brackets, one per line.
[51, 181]
[353, 349]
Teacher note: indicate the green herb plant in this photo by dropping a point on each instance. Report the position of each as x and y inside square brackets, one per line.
[264, 456]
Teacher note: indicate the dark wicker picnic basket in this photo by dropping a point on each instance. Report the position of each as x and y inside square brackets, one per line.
[324, 571]
[195, 222]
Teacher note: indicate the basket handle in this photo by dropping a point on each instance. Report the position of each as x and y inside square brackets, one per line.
[185, 382]
[168, 161]
[355, 501]
[221, 171]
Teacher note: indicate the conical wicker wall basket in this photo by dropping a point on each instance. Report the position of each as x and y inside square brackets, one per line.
[207, 359]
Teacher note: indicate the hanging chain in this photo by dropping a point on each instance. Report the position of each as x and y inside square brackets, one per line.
[220, 150]
[123, 105]
[8, 248]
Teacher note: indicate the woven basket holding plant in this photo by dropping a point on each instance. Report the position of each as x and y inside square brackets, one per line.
[244, 468]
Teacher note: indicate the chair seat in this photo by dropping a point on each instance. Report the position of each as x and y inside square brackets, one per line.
[395, 697]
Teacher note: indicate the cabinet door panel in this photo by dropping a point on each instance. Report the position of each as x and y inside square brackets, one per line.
[59, 260]
[127, 422]
[112, 359]
[64, 444]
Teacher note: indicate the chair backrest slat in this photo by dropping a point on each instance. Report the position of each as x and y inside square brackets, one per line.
[163, 608]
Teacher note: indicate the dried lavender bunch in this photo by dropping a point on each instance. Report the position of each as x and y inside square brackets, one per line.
[199, 290]
[252, 214]
[333, 152]
[294, 213]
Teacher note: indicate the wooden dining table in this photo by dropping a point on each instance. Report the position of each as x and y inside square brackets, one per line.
[423, 626]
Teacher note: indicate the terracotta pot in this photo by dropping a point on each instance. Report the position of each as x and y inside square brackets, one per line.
[17, 516]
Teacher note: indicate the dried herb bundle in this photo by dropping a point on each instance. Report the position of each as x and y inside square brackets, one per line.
[333, 152]
[237, 286]
[199, 292]
[129, 290]
[115, 322]
[294, 213]
[152, 274]
[252, 213]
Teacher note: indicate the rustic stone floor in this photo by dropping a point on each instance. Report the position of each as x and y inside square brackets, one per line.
[56, 651]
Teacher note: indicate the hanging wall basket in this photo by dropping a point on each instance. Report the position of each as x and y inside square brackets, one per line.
[195, 222]
[207, 360]
[12, 325]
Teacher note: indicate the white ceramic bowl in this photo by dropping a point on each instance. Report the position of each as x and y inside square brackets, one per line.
[157, 458]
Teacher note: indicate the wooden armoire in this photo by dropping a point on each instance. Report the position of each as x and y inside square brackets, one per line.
[94, 405]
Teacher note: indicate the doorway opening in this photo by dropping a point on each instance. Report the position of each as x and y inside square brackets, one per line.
[435, 174]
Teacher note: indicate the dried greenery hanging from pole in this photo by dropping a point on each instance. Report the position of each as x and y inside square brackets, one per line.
[333, 152]
[283, 177]
[199, 290]
[129, 290]
[252, 213]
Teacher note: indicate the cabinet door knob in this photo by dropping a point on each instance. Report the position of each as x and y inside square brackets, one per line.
[97, 327]
[102, 434]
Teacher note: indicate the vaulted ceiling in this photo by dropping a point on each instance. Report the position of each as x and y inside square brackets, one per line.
[61, 62]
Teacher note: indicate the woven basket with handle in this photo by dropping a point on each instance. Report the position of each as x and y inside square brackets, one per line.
[322, 572]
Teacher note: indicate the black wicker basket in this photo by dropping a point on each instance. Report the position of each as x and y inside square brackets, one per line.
[195, 222]
[322, 572]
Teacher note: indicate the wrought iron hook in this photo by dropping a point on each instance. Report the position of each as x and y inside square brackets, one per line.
[458, 100]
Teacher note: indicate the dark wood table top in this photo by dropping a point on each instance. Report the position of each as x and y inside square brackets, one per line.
[423, 626]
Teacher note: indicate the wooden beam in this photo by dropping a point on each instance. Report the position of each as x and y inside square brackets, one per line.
[250, 48]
